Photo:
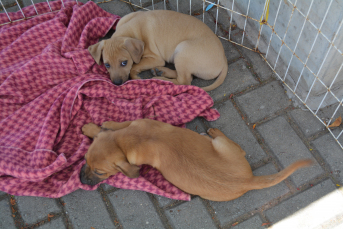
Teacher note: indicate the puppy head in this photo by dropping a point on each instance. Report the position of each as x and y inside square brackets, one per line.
[103, 159]
[118, 54]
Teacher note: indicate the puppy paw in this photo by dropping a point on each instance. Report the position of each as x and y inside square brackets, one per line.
[214, 132]
[90, 130]
[156, 72]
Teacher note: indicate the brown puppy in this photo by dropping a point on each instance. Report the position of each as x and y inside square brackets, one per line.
[146, 40]
[214, 169]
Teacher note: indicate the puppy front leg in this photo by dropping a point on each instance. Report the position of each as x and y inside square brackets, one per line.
[90, 130]
[146, 63]
[115, 125]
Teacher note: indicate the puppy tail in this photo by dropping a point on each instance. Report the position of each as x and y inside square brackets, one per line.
[220, 79]
[259, 182]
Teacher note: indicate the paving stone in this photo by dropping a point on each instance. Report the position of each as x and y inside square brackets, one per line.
[307, 122]
[2, 193]
[190, 214]
[86, 209]
[259, 65]
[6, 220]
[163, 201]
[264, 101]
[209, 20]
[332, 153]
[116, 7]
[238, 78]
[308, 209]
[42, 207]
[232, 125]
[254, 222]
[229, 210]
[185, 7]
[288, 148]
[56, 224]
[196, 125]
[157, 6]
[134, 209]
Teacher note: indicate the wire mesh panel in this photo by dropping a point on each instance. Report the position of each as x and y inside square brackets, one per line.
[301, 41]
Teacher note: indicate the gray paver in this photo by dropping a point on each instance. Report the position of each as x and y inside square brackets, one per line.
[238, 78]
[332, 153]
[264, 101]
[232, 125]
[43, 206]
[258, 63]
[308, 209]
[288, 148]
[190, 215]
[307, 122]
[134, 209]
[163, 201]
[116, 7]
[6, 220]
[196, 126]
[82, 205]
[56, 224]
[184, 6]
[228, 211]
[254, 222]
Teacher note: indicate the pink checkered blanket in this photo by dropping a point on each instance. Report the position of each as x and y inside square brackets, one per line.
[50, 87]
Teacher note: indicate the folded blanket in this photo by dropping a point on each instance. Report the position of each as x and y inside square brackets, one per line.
[50, 87]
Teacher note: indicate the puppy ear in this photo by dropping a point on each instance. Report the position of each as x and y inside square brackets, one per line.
[129, 170]
[96, 51]
[135, 47]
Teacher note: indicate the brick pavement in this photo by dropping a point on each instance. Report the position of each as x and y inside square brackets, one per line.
[257, 114]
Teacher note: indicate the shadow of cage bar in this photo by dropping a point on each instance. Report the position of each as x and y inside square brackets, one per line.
[263, 22]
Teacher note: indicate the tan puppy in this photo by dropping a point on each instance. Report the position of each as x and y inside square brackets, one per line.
[146, 40]
[214, 169]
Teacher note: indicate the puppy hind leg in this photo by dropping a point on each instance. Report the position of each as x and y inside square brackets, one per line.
[225, 142]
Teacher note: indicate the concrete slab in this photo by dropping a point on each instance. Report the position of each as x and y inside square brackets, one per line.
[196, 125]
[254, 222]
[82, 205]
[232, 125]
[189, 215]
[307, 122]
[264, 101]
[185, 6]
[56, 224]
[331, 153]
[288, 148]
[228, 211]
[163, 201]
[134, 209]
[238, 78]
[6, 219]
[310, 209]
[43, 206]
[116, 7]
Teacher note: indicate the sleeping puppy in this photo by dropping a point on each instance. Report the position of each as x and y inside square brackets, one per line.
[213, 168]
[147, 40]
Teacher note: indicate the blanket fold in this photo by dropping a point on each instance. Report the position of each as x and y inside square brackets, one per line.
[50, 87]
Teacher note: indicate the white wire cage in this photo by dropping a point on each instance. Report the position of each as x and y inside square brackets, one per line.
[301, 41]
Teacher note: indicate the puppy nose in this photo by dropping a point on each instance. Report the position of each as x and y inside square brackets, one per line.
[118, 82]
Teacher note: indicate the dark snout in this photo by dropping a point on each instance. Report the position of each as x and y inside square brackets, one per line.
[118, 82]
[87, 177]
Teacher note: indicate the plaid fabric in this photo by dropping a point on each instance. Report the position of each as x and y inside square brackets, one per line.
[50, 87]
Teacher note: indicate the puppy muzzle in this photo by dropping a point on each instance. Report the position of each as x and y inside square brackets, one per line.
[87, 178]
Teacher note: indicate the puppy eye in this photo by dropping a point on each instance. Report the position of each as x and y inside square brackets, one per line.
[123, 63]
[97, 173]
[107, 65]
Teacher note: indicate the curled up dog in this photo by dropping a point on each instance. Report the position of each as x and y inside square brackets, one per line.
[147, 40]
[213, 168]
